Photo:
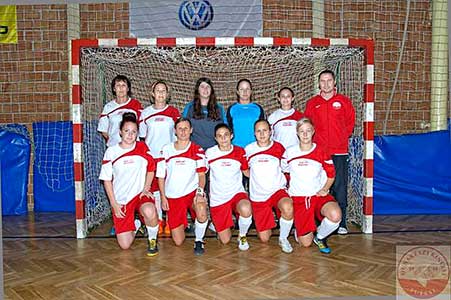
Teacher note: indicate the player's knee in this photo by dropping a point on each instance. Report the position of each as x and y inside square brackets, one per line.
[224, 240]
[178, 241]
[246, 211]
[335, 215]
[305, 242]
[124, 245]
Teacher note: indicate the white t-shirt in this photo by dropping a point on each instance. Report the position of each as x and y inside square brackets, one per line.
[266, 175]
[283, 126]
[157, 127]
[180, 169]
[111, 118]
[226, 176]
[308, 170]
[127, 169]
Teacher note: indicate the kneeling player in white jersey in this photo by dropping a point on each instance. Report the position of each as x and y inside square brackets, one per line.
[283, 121]
[312, 174]
[156, 127]
[181, 178]
[267, 186]
[127, 173]
[226, 164]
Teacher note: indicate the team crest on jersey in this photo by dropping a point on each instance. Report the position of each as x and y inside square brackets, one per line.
[179, 162]
[336, 105]
[159, 119]
[196, 14]
[226, 164]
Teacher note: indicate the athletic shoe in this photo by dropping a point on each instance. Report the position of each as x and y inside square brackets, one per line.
[322, 245]
[113, 230]
[152, 247]
[243, 245]
[167, 230]
[161, 224]
[342, 231]
[285, 245]
[296, 236]
[199, 248]
[212, 227]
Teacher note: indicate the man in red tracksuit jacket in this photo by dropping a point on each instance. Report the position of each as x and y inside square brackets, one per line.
[333, 117]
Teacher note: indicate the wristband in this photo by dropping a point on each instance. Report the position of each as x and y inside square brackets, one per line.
[200, 191]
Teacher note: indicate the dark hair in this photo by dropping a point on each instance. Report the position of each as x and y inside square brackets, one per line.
[128, 117]
[121, 78]
[154, 85]
[285, 88]
[327, 71]
[223, 125]
[182, 119]
[212, 106]
[238, 84]
[264, 121]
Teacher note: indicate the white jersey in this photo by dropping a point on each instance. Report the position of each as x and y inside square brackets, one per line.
[127, 169]
[308, 170]
[180, 168]
[226, 178]
[111, 118]
[157, 127]
[283, 126]
[266, 175]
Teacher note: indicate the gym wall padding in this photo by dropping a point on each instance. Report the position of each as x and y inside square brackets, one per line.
[15, 162]
[412, 174]
[53, 180]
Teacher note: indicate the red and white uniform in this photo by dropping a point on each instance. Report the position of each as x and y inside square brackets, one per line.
[111, 118]
[226, 176]
[127, 169]
[157, 127]
[283, 126]
[334, 121]
[180, 168]
[266, 175]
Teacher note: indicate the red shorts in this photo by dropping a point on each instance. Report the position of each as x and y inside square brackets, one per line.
[306, 209]
[178, 207]
[263, 211]
[127, 223]
[221, 215]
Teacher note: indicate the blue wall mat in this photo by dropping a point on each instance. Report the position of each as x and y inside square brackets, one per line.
[53, 179]
[15, 162]
[412, 174]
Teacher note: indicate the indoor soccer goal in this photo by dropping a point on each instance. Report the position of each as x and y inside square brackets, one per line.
[269, 63]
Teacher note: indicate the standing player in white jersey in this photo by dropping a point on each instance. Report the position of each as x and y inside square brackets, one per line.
[181, 178]
[267, 186]
[156, 127]
[127, 173]
[112, 111]
[283, 120]
[311, 176]
[226, 164]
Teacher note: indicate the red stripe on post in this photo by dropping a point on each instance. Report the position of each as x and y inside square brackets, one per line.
[77, 45]
[127, 42]
[78, 171]
[282, 41]
[368, 206]
[77, 133]
[166, 42]
[205, 41]
[79, 209]
[76, 94]
[368, 131]
[368, 168]
[244, 41]
[368, 92]
[368, 45]
[320, 42]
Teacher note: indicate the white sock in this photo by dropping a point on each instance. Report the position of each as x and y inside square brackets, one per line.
[244, 224]
[326, 228]
[199, 230]
[152, 232]
[137, 225]
[157, 197]
[285, 228]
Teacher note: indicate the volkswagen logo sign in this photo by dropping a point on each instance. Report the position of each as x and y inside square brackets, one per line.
[196, 14]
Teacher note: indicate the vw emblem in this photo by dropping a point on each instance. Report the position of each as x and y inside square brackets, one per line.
[196, 14]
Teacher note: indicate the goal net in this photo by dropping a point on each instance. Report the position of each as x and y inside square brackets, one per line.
[268, 67]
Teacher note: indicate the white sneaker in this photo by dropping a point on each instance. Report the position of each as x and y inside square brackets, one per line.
[243, 245]
[285, 245]
[342, 230]
[137, 225]
[296, 236]
[212, 227]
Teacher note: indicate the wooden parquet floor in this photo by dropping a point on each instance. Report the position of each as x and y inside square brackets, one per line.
[61, 267]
